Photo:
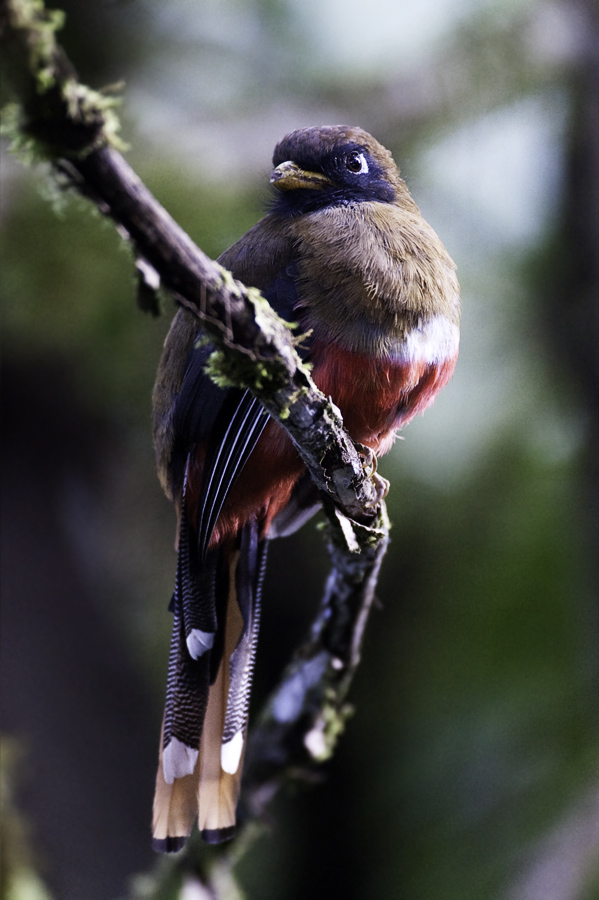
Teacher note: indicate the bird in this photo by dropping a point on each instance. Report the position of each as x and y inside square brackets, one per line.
[345, 254]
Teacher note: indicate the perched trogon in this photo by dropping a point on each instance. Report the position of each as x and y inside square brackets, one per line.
[344, 252]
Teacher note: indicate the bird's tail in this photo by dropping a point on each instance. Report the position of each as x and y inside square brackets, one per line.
[215, 631]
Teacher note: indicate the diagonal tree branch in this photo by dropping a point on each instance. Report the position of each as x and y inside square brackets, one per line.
[75, 129]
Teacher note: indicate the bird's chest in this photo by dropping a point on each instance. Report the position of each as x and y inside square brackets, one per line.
[365, 276]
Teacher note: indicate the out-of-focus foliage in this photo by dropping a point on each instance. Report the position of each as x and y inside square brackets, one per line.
[469, 769]
[19, 879]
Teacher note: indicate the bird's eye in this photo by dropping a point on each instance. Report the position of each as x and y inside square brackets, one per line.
[356, 163]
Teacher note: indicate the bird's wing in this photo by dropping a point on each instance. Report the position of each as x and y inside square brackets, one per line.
[227, 422]
[241, 422]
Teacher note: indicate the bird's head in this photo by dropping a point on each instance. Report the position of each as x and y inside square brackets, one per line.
[332, 165]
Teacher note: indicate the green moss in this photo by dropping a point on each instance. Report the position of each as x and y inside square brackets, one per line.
[41, 26]
[244, 370]
[247, 369]
[57, 115]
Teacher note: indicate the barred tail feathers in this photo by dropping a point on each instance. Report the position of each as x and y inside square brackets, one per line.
[205, 724]
[225, 726]
[218, 790]
[175, 799]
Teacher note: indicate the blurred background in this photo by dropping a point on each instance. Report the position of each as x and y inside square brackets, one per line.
[469, 769]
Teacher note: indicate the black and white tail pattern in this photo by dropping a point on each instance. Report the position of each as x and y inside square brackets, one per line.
[249, 576]
[216, 612]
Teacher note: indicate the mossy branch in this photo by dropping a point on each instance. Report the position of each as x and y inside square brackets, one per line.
[76, 129]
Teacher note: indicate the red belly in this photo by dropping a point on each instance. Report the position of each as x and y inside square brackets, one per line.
[376, 398]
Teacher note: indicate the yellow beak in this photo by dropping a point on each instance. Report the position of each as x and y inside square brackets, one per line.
[288, 177]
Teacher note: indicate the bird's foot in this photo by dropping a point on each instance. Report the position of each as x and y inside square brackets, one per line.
[381, 485]
[369, 464]
[369, 460]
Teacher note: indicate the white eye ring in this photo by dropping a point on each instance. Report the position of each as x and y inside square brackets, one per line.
[357, 158]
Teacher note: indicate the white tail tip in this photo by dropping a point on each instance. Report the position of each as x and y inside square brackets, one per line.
[178, 760]
[230, 753]
[198, 642]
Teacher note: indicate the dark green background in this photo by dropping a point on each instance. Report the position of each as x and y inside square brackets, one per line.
[469, 769]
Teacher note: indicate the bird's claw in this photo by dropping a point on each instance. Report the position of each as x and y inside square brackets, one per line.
[381, 485]
[369, 464]
[369, 460]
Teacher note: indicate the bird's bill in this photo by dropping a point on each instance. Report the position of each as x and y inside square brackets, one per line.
[288, 177]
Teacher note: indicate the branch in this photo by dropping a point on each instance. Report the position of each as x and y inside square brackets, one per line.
[257, 346]
[75, 129]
